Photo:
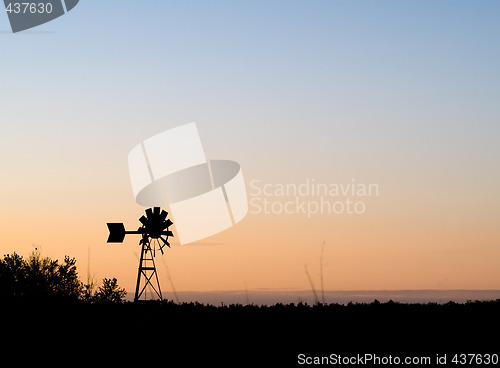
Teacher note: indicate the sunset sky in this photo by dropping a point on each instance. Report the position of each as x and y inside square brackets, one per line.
[401, 94]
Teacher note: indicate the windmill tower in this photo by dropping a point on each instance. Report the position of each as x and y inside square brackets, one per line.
[155, 233]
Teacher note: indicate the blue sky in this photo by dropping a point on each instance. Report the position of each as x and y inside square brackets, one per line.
[284, 67]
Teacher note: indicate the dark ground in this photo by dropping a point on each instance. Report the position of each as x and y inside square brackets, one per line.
[194, 335]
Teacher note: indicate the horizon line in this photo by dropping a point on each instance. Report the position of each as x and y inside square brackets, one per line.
[273, 296]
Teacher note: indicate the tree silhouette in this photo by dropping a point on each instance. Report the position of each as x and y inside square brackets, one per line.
[109, 292]
[38, 278]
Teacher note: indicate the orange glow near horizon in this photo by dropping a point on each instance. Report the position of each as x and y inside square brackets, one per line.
[385, 248]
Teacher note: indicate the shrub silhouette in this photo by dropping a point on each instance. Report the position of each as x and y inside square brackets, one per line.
[109, 292]
[42, 279]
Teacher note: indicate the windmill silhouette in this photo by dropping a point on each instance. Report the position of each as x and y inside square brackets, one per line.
[155, 233]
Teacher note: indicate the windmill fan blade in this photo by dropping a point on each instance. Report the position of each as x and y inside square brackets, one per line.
[149, 213]
[165, 241]
[164, 225]
[163, 215]
[144, 220]
[156, 211]
[167, 233]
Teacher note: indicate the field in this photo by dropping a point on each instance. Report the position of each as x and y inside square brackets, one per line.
[193, 334]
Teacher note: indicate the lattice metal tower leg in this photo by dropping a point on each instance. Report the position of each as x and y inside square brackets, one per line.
[147, 270]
